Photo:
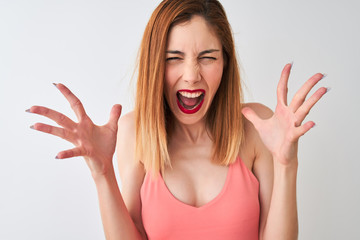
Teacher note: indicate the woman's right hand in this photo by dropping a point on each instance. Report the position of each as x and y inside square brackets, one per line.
[95, 143]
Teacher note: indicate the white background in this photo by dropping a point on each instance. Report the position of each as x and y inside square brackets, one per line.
[91, 46]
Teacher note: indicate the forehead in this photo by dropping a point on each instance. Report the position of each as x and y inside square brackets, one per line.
[195, 34]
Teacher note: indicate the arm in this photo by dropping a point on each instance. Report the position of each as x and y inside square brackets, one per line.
[276, 147]
[121, 212]
[97, 145]
[131, 171]
[282, 220]
[278, 216]
[115, 216]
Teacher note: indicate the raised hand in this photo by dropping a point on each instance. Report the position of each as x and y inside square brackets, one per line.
[95, 143]
[281, 132]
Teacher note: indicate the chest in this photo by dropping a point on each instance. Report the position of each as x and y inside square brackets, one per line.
[193, 178]
[229, 214]
[195, 184]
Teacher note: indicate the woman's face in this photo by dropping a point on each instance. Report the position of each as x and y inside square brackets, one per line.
[194, 67]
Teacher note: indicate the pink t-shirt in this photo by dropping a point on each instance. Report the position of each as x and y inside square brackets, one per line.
[233, 214]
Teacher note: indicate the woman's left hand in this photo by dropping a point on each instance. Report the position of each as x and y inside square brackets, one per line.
[281, 132]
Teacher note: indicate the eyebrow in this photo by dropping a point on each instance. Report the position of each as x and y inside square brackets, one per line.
[200, 54]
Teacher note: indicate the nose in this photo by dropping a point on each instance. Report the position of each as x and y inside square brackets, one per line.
[191, 73]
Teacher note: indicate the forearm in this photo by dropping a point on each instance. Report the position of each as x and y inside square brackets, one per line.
[116, 219]
[282, 220]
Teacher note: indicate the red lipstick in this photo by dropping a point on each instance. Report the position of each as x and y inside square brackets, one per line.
[185, 109]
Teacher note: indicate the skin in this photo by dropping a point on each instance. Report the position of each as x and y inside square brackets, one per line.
[270, 151]
[191, 178]
[193, 61]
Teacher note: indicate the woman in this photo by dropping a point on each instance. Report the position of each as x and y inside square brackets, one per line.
[191, 166]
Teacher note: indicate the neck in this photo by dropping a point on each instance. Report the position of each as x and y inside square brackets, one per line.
[193, 134]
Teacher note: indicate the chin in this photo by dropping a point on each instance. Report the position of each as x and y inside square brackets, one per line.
[189, 119]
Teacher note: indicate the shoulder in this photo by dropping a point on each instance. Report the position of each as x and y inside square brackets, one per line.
[263, 112]
[126, 137]
[125, 147]
[260, 109]
[127, 123]
[251, 135]
[253, 147]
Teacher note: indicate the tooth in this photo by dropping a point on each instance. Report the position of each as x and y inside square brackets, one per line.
[191, 95]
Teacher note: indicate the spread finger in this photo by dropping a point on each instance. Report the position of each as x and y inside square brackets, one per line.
[59, 118]
[75, 103]
[301, 94]
[75, 152]
[56, 131]
[305, 108]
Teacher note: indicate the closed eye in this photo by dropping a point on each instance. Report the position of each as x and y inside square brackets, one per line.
[207, 60]
[173, 58]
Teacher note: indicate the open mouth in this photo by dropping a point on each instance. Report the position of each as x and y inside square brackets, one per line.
[190, 101]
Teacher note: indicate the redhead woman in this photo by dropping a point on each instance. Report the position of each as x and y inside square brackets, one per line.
[195, 161]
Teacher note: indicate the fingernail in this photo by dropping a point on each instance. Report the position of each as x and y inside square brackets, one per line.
[324, 76]
[56, 157]
[55, 84]
[291, 63]
[314, 125]
[28, 110]
[32, 127]
[328, 89]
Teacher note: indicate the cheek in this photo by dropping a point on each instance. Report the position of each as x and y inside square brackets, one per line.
[170, 80]
[214, 75]
[170, 76]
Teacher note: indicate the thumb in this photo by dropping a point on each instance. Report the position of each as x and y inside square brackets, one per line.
[251, 116]
[114, 116]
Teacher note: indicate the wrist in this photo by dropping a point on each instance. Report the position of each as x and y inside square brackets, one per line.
[285, 163]
[100, 167]
[285, 173]
[103, 174]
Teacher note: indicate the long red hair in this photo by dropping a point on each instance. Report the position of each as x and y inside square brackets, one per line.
[153, 118]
